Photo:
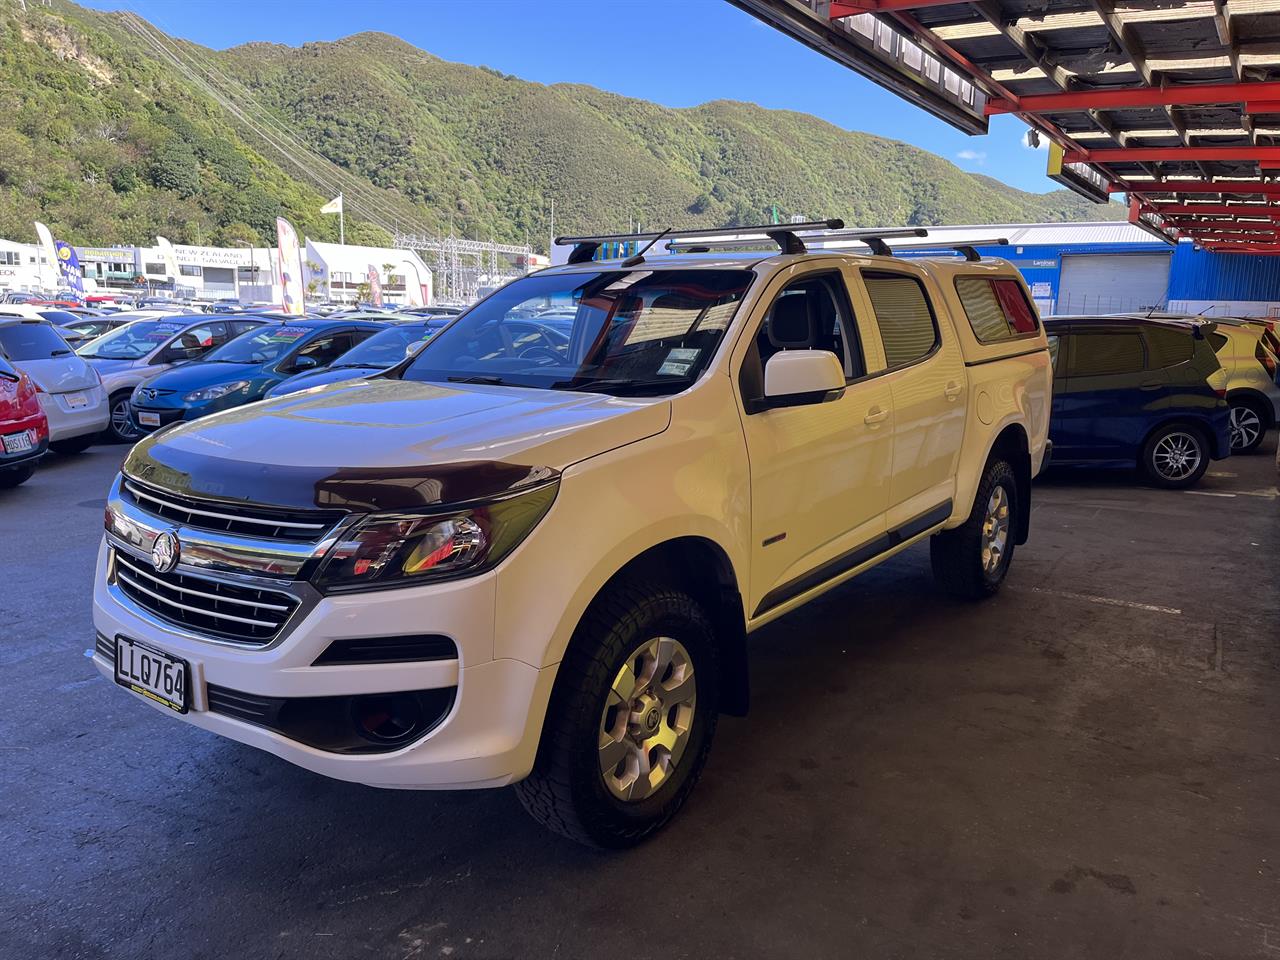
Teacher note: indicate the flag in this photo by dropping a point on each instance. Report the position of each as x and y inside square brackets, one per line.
[290, 267]
[375, 286]
[46, 245]
[333, 206]
[169, 256]
[69, 265]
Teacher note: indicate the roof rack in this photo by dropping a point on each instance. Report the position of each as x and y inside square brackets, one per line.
[969, 248]
[783, 234]
[873, 237]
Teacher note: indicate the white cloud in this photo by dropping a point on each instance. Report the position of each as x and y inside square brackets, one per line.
[974, 156]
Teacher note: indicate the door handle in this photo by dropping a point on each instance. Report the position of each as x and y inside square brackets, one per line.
[1150, 385]
[875, 415]
[952, 390]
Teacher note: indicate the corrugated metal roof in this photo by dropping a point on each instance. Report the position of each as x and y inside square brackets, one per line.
[1030, 234]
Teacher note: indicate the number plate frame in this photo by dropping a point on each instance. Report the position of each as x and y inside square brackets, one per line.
[136, 683]
[148, 419]
[21, 442]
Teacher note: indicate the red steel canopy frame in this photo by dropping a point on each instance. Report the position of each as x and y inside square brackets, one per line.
[1175, 103]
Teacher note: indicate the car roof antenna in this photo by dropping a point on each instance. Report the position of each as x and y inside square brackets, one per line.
[639, 257]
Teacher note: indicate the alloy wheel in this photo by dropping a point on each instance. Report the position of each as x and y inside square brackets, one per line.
[1176, 456]
[647, 719]
[1246, 427]
[121, 424]
[995, 530]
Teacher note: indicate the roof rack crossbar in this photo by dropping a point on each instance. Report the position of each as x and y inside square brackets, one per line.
[969, 247]
[783, 234]
[872, 236]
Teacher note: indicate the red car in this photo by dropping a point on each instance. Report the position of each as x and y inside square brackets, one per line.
[24, 431]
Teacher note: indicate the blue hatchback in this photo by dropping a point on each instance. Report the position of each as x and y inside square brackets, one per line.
[1137, 392]
[244, 369]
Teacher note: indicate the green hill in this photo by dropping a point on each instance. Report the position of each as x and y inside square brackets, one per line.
[116, 132]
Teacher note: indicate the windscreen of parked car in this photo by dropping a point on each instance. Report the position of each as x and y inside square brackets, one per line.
[60, 317]
[133, 341]
[633, 331]
[267, 343]
[32, 340]
[387, 348]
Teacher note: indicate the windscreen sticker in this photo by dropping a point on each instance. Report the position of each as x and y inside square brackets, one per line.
[164, 331]
[684, 353]
[286, 334]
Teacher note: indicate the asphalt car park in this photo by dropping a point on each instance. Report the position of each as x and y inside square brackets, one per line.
[1085, 766]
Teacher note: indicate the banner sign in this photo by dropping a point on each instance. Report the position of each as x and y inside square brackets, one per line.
[69, 266]
[46, 244]
[375, 286]
[290, 267]
[169, 257]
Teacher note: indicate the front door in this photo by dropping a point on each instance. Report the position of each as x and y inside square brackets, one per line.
[819, 473]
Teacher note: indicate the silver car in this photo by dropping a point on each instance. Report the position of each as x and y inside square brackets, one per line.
[126, 356]
[70, 392]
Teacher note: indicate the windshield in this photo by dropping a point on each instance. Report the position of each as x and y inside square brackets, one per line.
[614, 331]
[260, 346]
[389, 347]
[133, 341]
[31, 340]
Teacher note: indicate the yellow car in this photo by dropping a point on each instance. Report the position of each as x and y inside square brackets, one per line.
[1247, 350]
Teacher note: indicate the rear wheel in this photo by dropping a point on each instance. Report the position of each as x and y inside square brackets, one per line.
[1175, 457]
[11, 477]
[121, 428]
[631, 718]
[74, 445]
[1247, 426]
[971, 561]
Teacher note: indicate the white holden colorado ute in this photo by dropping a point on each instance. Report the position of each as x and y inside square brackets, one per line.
[532, 552]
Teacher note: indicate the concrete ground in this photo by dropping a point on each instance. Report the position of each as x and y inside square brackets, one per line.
[1086, 766]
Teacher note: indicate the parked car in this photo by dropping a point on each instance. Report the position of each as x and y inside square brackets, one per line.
[1248, 354]
[1137, 392]
[380, 352]
[144, 348]
[69, 390]
[244, 369]
[81, 331]
[24, 429]
[497, 564]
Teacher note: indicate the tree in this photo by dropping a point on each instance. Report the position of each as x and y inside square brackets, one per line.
[175, 168]
[238, 234]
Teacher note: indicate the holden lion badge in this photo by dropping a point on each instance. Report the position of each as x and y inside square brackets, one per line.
[165, 552]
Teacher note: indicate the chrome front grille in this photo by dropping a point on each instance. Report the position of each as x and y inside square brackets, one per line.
[301, 526]
[232, 611]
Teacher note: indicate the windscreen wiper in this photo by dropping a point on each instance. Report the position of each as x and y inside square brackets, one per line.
[608, 384]
[487, 380]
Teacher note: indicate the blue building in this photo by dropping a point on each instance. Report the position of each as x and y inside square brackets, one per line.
[1112, 267]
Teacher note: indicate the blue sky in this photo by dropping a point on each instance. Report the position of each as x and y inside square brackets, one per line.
[676, 52]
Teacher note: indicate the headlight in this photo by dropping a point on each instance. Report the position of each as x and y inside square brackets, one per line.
[213, 393]
[401, 550]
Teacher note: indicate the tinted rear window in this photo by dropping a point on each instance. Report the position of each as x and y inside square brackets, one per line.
[903, 315]
[1167, 348]
[997, 308]
[1105, 354]
[31, 341]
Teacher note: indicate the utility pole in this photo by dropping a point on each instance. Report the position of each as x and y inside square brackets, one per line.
[551, 241]
[342, 220]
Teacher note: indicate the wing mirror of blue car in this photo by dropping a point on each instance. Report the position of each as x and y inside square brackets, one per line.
[305, 363]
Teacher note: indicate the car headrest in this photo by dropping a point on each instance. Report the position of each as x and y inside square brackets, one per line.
[790, 326]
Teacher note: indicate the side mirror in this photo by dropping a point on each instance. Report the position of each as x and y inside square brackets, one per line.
[794, 378]
[305, 363]
[414, 347]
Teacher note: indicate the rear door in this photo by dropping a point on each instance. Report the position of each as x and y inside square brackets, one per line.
[926, 376]
[1104, 411]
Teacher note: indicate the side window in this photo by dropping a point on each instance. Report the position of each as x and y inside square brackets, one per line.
[812, 313]
[243, 326]
[1168, 348]
[325, 350]
[997, 308]
[197, 341]
[1105, 354]
[904, 316]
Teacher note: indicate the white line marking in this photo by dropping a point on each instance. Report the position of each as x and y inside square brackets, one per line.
[1107, 601]
[1220, 473]
[1265, 494]
[1208, 493]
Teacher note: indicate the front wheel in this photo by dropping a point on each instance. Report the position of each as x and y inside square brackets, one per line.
[121, 428]
[1175, 457]
[631, 718]
[971, 561]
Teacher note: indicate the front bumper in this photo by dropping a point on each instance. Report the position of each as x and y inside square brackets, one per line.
[488, 737]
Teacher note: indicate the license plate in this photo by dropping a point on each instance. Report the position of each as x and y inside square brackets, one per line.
[155, 675]
[148, 419]
[18, 442]
[76, 400]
